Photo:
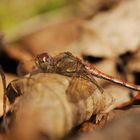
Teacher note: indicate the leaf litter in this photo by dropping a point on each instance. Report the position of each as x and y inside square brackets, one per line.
[113, 97]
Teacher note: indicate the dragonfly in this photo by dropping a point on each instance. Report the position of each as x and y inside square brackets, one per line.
[67, 64]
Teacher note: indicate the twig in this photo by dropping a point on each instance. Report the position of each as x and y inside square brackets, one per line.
[4, 98]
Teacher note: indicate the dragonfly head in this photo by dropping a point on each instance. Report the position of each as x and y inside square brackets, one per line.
[44, 61]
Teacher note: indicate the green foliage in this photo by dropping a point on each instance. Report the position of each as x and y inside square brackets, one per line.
[52, 5]
[13, 12]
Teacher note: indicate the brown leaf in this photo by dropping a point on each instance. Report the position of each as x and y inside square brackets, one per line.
[117, 31]
[9, 78]
[119, 128]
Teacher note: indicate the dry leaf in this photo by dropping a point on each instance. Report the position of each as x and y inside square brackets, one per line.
[53, 38]
[117, 30]
[45, 96]
[134, 64]
[127, 127]
[9, 78]
[88, 8]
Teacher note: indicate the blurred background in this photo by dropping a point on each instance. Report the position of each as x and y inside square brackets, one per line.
[14, 12]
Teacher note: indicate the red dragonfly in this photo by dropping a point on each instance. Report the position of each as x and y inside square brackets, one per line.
[67, 64]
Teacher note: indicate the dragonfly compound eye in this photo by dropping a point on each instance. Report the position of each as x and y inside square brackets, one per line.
[43, 60]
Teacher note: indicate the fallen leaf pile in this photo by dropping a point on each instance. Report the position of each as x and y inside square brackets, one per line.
[52, 106]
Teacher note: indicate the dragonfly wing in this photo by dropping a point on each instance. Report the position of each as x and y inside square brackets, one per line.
[80, 89]
[91, 78]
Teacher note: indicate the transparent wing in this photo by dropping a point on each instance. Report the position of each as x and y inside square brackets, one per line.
[91, 78]
[80, 89]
